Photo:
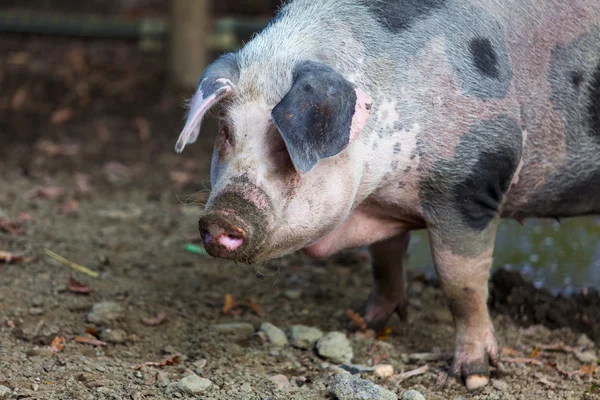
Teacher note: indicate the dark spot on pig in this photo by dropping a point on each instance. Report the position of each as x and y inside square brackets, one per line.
[375, 145]
[397, 16]
[576, 78]
[407, 169]
[397, 148]
[484, 57]
[594, 107]
[413, 155]
[380, 135]
[398, 125]
[401, 185]
[368, 106]
[394, 165]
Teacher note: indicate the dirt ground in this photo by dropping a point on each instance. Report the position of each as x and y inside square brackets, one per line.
[87, 170]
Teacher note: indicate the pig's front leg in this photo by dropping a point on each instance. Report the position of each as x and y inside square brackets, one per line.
[464, 281]
[389, 283]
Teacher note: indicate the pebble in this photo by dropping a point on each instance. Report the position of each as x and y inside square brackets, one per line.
[587, 357]
[113, 335]
[336, 347]
[500, 385]
[105, 312]
[349, 387]
[303, 337]
[4, 392]
[384, 370]
[236, 328]
[162, 379]
[281, 381]
[194, 384]
[36, 311]
[584, 340]
[356, 369]
[292, 294]
[275, 335]
[412, 395]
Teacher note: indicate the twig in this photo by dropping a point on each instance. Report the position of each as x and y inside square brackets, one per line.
[546, 382]
[524, 361]
[431, 356]
[409, 374]
[71, 264]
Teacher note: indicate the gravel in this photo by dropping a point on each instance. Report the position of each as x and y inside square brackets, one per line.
[336, 347]
[349, 387]
[275, 335]
[105, 313]
[303, 337]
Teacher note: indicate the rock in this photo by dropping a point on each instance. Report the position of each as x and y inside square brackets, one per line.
[236, 328]
[585, 341]
[36, 311]
[281, 381]
[193, 384]
[4, 392]
[500, 385]
[162, 379]
[336, 347]
[412, 395]
[275, 335]
[292, 294]
[587, 357]
[355, 369]
[105, 312]
[113, 336]
[303, 337]
[349, 387]
[384, 370]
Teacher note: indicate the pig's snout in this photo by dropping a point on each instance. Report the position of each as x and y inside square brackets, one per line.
[222, 238]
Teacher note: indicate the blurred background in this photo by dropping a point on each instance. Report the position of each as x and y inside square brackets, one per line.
[97, 88]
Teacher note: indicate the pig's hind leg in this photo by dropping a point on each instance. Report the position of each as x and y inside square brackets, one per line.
[389, 281]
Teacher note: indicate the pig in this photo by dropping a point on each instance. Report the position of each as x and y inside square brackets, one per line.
[348, 123]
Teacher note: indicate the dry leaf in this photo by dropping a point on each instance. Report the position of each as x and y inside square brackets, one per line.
[10, 323]
[57, 344]
[357, 320]
[10, 258]
[171, 360]
[68, 208]
[255, 307]
[143, 128]
[384, 334]
[229, 304]
[90, 330]
[507, 351]
[47, 192]
[61, 116]
[588, 369]
[78, 287]
[535, 352]
[156, 320]
[89, 340]
[10, 227]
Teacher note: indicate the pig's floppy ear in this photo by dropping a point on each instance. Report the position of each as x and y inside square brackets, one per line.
[320, 115]
[217, 81]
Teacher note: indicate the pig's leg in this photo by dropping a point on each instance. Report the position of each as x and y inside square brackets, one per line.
[389, 282]
[464, 278]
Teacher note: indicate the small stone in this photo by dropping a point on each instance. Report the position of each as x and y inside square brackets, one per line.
[236, 328]
[349, 387]
[35, 387]
[384, 370]
[113, 336]
[275, 335]
[585, 341]
[274, 352]
[303, 337]
[355, 369]
[105, 312]
[292, 294]
[500, 385]
[4, 392]
[162, 379]
[587, 357]
[36, 311]
[194, 384]
[246, 387]
[281, 381]
[413, 395]
[168, 349]
[336, 347]
[37, 301]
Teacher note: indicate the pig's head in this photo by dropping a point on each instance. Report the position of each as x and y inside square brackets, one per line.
[283, 172]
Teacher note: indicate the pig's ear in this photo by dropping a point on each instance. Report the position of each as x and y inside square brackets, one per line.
[218, 80]
[320, 115]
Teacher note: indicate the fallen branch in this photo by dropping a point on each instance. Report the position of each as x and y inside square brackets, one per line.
[409, 374]
[71, 264]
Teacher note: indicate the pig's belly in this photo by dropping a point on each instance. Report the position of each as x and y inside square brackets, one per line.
[548, 190]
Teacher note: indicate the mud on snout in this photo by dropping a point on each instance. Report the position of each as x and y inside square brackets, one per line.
[236, 223]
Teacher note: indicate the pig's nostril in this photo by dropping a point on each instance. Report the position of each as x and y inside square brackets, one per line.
[231, 242]
[206, 237]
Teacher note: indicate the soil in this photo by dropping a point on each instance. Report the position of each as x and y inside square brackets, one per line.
[87, 170]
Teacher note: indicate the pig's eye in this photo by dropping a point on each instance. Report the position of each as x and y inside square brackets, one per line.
[226, 134]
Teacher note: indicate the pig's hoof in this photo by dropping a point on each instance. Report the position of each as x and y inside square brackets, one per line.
[378, 312]
[474, 372]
